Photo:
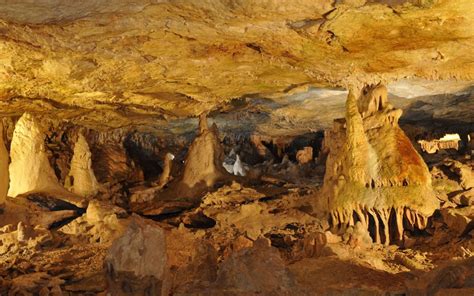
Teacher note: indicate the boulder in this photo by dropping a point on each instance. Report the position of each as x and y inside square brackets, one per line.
[458, 219]
[258, 270]
[136, 262]
[150, 260]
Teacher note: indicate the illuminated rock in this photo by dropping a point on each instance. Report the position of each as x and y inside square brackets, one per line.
[81, 179]
[30, 170]
[203, 165]
[304, 155]
[4, 160]
[373, 173]
[449, 141]
[165, 176]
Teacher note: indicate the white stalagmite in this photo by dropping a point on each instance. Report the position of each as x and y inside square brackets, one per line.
[30, 170]
[81, 179]
[4, 178]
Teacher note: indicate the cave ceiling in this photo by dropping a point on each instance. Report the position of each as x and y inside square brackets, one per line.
[116, 63]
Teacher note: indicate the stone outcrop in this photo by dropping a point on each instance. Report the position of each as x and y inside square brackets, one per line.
[463, 171]
[151, 260]
[258, 270]
[136, 262]
[4, 162]
[373, 173]
[30, 170]
[81, 179]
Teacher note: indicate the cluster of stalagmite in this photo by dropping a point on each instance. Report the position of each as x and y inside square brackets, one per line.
[373, 173]
[30, 170]
[81, 179]
[4, 160]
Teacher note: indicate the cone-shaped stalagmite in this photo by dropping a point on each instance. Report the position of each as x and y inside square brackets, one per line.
[81, 179]
[30, 170]
[373, 173]
[4, 179]
[203, 165]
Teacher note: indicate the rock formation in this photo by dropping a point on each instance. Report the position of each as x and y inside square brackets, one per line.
[81, 179]
[4, 161]
[304, 155]
[165, 176]
[373, 173]
[30, 170]
[446, 142]
[203, 164]
[136, 262]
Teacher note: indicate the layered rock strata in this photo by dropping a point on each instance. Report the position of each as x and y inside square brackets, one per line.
[373, 173]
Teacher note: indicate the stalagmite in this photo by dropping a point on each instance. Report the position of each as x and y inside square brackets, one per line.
[203, 165]
[165, 175]
[372, 169]
[81, 179]
[238, 169]
[4, 159]
[30, 170]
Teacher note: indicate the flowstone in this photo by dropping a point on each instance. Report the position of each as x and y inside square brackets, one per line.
[373, 173]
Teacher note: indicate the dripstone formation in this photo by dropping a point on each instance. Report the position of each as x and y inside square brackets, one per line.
[373, 173]
[4, 161]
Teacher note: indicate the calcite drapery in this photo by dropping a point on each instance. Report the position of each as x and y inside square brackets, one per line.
[4, 159]
[373, 173]
[81, 179]
[30, 170]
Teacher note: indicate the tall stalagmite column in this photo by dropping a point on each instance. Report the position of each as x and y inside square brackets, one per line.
[81, 179]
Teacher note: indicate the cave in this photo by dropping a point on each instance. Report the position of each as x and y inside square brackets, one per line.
[179, 147]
